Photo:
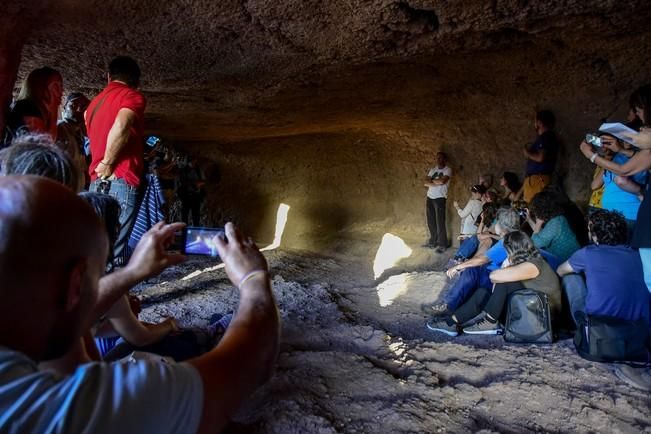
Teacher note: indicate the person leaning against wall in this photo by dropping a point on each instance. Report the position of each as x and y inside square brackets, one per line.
[437, 183]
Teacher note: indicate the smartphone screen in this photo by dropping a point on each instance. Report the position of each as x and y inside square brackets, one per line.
[199, 241]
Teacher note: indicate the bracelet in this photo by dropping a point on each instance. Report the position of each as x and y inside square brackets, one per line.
[594, 157]
[249, 276]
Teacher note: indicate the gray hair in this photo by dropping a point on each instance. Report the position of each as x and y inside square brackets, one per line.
[508, 220]
[36, 154]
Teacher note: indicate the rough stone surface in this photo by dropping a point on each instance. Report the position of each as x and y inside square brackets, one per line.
[355, 357]
[339, 106]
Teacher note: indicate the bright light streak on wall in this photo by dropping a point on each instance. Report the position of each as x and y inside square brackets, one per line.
[392, 250]
[281, 222]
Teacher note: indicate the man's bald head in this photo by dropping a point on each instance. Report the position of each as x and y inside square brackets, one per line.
[50, 242]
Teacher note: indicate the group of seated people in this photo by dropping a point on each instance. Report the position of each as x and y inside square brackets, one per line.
[597, 266]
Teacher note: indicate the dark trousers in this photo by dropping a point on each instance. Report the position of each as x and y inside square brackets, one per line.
[436, 222]
[127, 195]
[191, 205]
[465, 285]
[491, 302]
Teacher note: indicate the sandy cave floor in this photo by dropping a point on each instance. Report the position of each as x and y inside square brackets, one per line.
[356, 357]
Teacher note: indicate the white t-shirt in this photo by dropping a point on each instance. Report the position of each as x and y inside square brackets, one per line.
[439, 190]
[468, 216]
[141, 397]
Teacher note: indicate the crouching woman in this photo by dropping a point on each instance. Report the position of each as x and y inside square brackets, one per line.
[524, 268]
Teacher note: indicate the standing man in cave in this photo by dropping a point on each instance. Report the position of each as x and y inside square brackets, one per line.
[115, 121]
[541, 156]
[437, 182]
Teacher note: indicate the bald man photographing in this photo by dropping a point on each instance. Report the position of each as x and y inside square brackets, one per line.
[52, 255]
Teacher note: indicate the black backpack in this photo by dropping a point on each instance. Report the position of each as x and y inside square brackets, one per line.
[608, 339]
[528, 319]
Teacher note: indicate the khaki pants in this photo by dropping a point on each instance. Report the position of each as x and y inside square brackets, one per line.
[534, 184]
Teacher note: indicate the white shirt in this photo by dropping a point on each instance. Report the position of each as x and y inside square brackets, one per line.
[438, 191]
[141, 397]
[468, 216]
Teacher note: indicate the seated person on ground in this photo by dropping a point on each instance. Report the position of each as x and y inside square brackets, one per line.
[470, 212]
[479, 243]
[49, 296]
[551, 230]
[34, 154]
[524, 268]
[572, 213]
[121, 319]
[474, 273]
[614, 281]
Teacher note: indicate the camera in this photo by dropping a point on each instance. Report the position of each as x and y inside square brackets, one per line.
[593, 140]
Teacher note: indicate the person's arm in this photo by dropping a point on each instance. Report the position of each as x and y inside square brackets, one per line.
[516, 273]
[537, 156]
[565, 268]
[543, 236]
[245, 356]
[627, 184]
[148, 259]
[475, 261]
[127, 325]
[638, 163]
[465, 212]
[117, 139]
[441, 181]
[519, 194]
[597, 179]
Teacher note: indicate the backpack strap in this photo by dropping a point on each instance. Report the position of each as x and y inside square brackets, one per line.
[97, 107]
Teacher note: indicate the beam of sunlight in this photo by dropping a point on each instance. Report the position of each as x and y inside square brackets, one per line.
[392, 249]
[281, 222]
[391, 289]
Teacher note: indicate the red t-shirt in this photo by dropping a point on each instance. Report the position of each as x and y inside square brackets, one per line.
[130, 161]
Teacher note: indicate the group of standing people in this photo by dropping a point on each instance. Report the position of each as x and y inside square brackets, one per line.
[104, 139]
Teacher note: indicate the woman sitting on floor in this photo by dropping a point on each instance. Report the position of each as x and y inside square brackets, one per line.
[551, 230]
[524, 268]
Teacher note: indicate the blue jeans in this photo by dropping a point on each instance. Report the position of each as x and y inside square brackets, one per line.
[465, 285]
[576, 291]
[645, 255]
[127, 195]
[468, 247]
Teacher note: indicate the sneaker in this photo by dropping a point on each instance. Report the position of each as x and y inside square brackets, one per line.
[442, 326]
[440, 249]
[484, 327]
[436, 308]
[636, 377]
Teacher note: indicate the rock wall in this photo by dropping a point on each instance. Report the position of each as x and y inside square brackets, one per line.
[337, 108]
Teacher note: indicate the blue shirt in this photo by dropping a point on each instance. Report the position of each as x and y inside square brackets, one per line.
[548, 144]
[497, 254]
[616, 199]
[140, 397]
[615, 282]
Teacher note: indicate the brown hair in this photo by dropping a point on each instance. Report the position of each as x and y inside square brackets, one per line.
[35, 89]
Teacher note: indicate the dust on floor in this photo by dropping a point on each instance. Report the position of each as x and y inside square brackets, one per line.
[356, 358]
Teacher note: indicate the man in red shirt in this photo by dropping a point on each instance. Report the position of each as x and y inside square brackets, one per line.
[115, 122]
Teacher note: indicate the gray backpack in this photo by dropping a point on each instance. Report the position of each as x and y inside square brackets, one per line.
[528, 319]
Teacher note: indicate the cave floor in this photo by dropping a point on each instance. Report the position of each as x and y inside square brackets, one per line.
[356, 357]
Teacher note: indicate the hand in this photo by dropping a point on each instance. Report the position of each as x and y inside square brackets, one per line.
[586, 149]
[103, 170]
[611, 143]
[150, 257]
[455, 204]
[241, 256]
[171, 323]
[642, 140]
[537, 226]
[452, 272]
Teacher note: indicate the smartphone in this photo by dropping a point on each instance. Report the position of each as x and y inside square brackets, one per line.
[593, 140]
[200, 241]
